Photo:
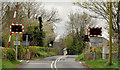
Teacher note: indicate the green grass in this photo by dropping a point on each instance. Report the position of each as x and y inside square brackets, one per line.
[101, 64]
[80, 57]
[44, 54]
[40, 57]
[10, 64]
[0, 64]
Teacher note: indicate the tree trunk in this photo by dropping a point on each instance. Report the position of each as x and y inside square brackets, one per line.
[28, 13]
[110, 36]
[118, 19]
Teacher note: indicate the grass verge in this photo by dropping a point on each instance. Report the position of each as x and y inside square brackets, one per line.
[98, 64]
[80, 57]
[10, 64]
[0, 64]
[44, 54]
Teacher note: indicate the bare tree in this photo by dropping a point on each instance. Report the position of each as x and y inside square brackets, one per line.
[50, 15]
[77, 20]
[59, 46]
[34, 10]
[49, 31]
[102, 9]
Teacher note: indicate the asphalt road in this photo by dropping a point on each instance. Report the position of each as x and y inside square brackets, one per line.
[54, 63]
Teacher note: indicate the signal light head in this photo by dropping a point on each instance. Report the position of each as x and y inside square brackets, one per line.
[16, 28]
[95, 31]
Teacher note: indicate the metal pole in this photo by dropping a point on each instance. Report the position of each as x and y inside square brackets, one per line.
[26, 40]
[26, 44]
[16, 45]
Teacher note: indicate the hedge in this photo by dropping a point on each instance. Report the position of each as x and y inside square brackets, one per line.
[34, 51]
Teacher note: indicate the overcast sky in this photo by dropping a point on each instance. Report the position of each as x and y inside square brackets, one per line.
[64, 7]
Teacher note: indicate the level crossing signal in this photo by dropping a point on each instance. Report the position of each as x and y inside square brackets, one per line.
[16, 28]
[95, 31]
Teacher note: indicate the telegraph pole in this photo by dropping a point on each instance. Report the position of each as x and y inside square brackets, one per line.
[110, 36]
[16, 45]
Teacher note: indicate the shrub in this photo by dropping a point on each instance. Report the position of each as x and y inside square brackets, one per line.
[3, 53]
[33, 49]
[44, 54]
[80, 57]
[51, 53]
[21, 52]
[11, 54]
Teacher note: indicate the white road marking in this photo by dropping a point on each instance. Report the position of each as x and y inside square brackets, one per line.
[27, 61]
[54, 62]
[55, 65]
[80, 62]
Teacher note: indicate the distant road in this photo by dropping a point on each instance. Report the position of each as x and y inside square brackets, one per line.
[54, 63]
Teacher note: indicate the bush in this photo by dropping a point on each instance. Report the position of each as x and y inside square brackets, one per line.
[36, 49]
[3, 53]
[11, 54]
[81, 57]
[51, 53]
[21, 52]
[33, 49]
[44, 54]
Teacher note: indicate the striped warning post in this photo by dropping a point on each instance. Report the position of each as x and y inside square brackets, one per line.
[13, 23]
[93, 35]
[88, 33]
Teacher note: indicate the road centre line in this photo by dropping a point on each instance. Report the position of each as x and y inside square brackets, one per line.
[53, 64]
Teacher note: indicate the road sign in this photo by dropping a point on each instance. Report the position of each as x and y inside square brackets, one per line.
[29, 37]
[96, 39]
[16, 28]
[25, 44]
[16, 42]
[106, 50]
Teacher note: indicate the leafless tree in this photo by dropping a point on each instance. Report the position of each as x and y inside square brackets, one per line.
[77, 20]
[26, 12]
[102, 9]
[49, 31]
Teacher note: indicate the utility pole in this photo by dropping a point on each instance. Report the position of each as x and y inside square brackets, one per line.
[16, 45]
[118, 20]
[110, 36]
